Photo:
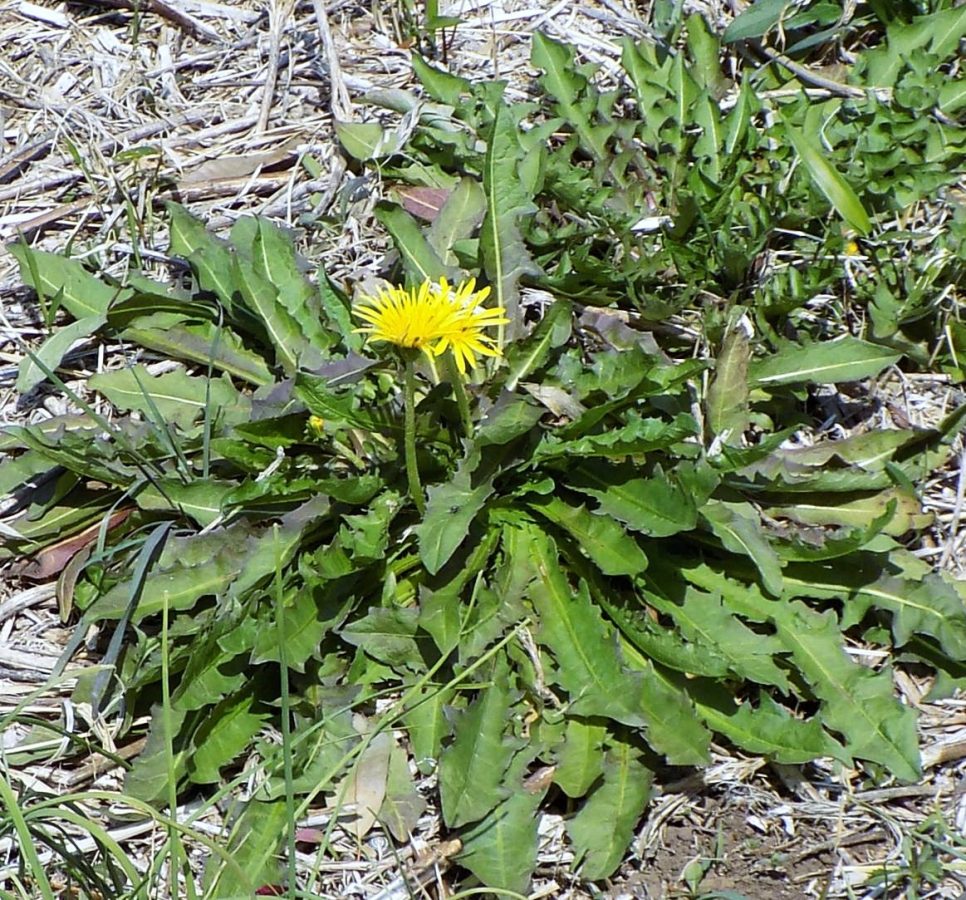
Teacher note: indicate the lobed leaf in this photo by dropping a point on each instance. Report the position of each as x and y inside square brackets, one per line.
[292, 348]
[451, 509]
[460, 217]
[713, 628]
[255, 838]
[598, 536]
[215, 670]
[922, 604]
[388, 635]
[604, 826]
[202, 501]
[579, 760]
[767, 730]
[656, 506]
[738, 527]
[420, 260]
[309, 616]
[568, 87]
[530, 354]
[224, 734]
[471, 768]
[505, 255]
[755, 20]
[206, 343]
[274, 259]
[858, 703]
[591, 667]
[148, 777]
[501, 849]
[427, 726]
[211, 259]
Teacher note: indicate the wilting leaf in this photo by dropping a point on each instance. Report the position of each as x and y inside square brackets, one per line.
[856, 510]
[403, 805]
[727, 400]
[421, 201]
[55, 557]
[364, 788]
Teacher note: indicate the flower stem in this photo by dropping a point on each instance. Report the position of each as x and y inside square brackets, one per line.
[459, 392]
[412, 469]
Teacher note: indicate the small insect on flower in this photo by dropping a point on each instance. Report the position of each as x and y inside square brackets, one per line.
[433, 318]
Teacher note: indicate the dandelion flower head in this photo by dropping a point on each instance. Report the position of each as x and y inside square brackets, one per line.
[433, 318]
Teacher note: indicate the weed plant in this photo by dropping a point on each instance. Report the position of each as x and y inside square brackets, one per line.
[579, 562]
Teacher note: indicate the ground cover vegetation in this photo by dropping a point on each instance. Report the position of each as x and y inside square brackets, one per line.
[549, 570]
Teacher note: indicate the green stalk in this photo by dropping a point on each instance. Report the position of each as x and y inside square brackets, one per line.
[291, 880]
[459, 392]
[412, 470]
[25, 840]
[174, 839]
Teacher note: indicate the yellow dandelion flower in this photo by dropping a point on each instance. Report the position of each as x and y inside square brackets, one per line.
[317, 425]
[433, 318]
